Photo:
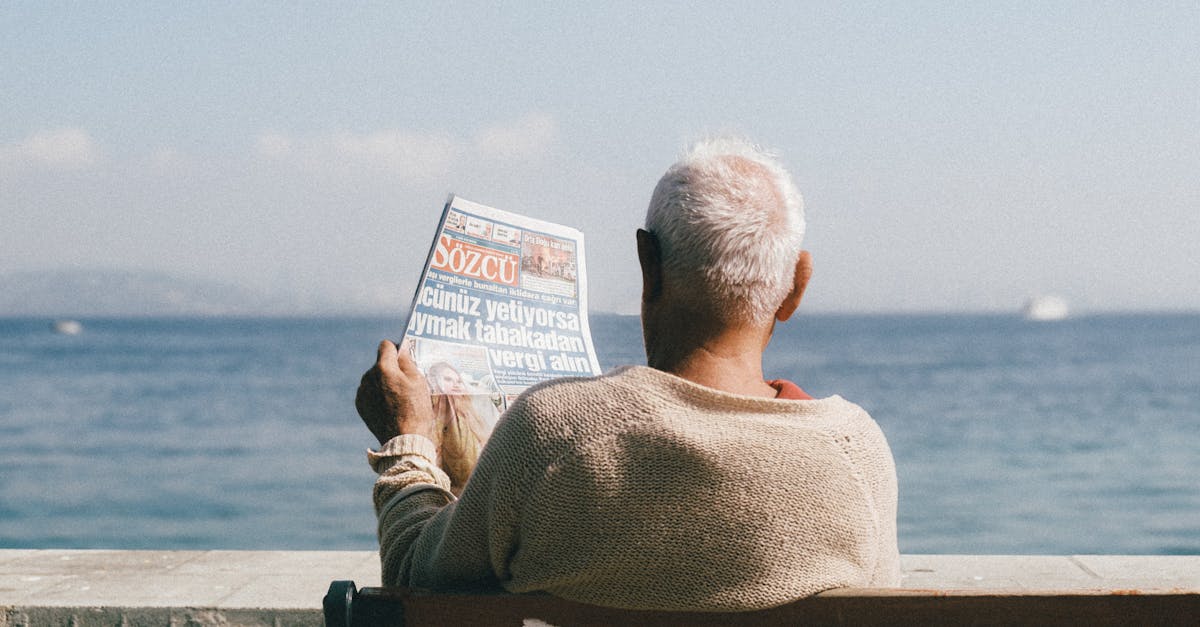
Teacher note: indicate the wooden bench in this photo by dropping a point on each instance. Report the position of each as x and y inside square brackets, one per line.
[346, 606]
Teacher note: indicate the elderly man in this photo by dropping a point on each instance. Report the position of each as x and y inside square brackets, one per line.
[693, 483]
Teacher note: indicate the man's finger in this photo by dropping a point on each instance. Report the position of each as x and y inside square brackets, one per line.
[407, 365]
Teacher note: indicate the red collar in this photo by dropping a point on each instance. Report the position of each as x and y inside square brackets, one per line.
[789, 391]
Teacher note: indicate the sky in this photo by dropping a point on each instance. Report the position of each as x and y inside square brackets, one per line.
[952, 156]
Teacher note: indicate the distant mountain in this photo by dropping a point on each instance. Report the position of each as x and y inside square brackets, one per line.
[69, 293]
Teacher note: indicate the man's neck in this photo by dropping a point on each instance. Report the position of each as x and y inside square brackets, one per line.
[724, 358]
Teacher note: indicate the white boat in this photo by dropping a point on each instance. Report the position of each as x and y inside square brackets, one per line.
[1043, 308]
[68, 327]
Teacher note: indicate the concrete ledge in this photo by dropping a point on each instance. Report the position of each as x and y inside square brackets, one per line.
[82, 588]
[1053, 573]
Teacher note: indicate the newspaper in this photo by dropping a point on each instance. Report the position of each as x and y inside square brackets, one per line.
[501, 305]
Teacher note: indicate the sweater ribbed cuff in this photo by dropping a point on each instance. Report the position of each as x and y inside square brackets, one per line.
[399, 446]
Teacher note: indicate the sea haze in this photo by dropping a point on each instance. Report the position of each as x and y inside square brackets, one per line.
[1080, 436]
[128, 293]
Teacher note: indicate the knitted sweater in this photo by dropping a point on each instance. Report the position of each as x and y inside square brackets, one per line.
[639, 489]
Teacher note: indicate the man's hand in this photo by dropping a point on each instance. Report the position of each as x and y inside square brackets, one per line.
[393, 397]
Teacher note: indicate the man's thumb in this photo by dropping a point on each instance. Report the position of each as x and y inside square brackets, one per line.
[386, 357]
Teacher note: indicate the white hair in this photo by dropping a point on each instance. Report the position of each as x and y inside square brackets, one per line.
[729, 222]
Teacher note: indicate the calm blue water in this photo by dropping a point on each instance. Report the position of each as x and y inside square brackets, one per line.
[1010, 437]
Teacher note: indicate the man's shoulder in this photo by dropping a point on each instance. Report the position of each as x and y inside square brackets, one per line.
[570, 392]
[639, 389]
[557, 415]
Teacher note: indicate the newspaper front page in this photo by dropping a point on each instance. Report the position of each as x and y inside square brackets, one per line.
[501, 305]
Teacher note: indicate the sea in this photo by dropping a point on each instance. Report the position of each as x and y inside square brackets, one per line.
[1077, 436]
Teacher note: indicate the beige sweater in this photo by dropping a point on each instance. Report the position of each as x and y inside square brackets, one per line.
[639, 489]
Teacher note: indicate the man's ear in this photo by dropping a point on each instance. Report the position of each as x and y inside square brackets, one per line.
[804, 268]
[651, 261]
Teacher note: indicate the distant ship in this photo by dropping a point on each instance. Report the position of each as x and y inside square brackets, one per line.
[67, 327]
[1043, 308]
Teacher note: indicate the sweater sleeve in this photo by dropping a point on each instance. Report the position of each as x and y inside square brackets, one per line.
[869, 449]
[402, 462]
[427, 538]
[410, 490]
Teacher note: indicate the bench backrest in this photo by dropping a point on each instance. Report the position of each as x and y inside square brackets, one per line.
[345, 606]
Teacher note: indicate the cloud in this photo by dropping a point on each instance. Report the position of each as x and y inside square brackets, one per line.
[409, 154]
[412, 154]
[169, 158]
[61, 148]
[395, 150]
[527, 138]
